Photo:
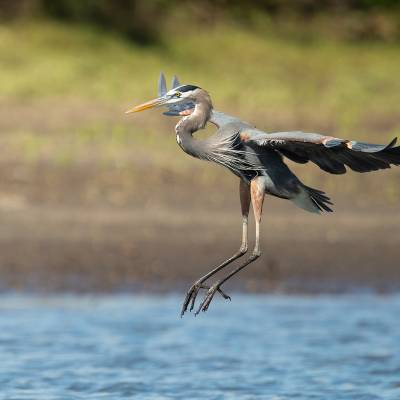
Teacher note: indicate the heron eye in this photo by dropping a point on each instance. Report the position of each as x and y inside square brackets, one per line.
[178, 94]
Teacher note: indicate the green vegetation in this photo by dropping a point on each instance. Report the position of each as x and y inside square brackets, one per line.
[64, 89]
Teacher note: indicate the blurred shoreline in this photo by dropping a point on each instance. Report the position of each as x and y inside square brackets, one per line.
[164, 249]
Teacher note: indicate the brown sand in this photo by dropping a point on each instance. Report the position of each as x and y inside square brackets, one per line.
[165, 247]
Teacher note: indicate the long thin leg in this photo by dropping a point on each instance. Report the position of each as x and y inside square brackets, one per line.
[244, 191]
[257, 198]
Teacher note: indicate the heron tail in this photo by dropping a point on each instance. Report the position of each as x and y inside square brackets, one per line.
[312, 200]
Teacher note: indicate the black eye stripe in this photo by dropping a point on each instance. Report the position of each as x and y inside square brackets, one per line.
[187, 88]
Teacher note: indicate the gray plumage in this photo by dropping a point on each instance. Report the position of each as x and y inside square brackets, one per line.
[240, 148]
[250, 152]
[257, 158]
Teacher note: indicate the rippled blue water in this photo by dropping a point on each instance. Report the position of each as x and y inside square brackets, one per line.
[257, 347]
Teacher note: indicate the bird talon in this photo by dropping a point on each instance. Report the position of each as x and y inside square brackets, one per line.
[208, 298]
[192, 293]
[193, 300]
[186, 301]
[191, 296]
[224, 295]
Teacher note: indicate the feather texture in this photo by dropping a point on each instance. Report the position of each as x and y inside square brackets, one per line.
[331, 154]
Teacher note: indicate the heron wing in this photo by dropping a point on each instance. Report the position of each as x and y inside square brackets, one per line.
[331, 154]
[220, 120]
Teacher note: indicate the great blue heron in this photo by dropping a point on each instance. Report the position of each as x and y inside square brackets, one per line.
[257, 158]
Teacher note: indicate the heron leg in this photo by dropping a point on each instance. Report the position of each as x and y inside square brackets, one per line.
[257, 189]
[244, 190]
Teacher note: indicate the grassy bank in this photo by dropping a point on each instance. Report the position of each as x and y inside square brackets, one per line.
[64, 89]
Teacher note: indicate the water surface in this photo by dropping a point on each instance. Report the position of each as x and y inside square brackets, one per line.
[257, 347]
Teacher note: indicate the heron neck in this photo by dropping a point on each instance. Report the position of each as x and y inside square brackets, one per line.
[191, 124]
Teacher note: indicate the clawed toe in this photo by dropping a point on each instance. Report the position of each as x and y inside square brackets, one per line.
[194, 296]
[191, 297]
[192, 293]
[209, 296]
[224, 295]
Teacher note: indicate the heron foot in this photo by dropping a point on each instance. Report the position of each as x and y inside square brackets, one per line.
[191, 296]
[216, 287]
[192, 293]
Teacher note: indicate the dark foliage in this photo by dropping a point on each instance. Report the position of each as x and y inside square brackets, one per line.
[141, 20]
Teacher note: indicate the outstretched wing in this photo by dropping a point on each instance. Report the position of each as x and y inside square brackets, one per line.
[330, 153]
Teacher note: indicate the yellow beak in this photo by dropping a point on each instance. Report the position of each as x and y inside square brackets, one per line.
[145, 106]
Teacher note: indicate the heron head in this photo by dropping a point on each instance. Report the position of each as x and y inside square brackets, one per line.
[179, 100]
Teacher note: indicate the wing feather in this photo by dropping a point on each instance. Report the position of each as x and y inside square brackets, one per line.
[331, 154]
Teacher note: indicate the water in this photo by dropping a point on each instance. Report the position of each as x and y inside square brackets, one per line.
[257, 347]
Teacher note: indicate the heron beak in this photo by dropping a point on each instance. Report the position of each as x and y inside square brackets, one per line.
[149, 104]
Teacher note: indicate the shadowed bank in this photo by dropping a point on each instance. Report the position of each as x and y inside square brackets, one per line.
[108, 249]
